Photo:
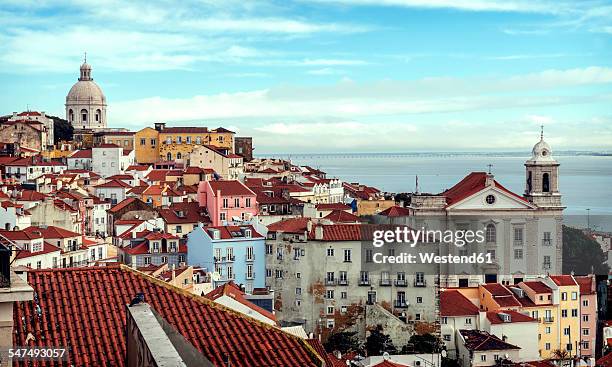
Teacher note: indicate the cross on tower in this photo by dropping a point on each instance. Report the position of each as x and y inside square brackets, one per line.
[541, 132]
[85, 58]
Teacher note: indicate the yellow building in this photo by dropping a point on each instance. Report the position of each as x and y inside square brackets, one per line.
[175, 143]
[554, 301]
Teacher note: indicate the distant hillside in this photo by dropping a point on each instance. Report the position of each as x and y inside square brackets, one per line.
[582, 254]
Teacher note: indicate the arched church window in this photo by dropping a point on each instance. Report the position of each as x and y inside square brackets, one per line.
[84, 115]
[545, 183]
[70, 115]
[490, 233]
[529, 181]
[98, 115]
[169, 156]
[179, 155]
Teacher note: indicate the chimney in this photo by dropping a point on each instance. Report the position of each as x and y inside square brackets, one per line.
[319, 232]
[489, 180]
[13, 289]
[159, 126]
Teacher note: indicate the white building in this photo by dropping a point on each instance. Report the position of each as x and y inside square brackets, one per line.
[13, 216]
[81, 159]
[85, 102]
[114, 190]
[106, 159]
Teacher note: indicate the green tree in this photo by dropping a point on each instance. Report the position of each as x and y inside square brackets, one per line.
[62, 130]
[426, 343]
[378, 343]
[582, 254]
[344, 342]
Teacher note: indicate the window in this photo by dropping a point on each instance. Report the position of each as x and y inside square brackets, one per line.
[298, 291]
[419, 300]
[188, 140]
[368, 255]
[547, 346]
[518, 253]
[143, 141]
[268, 272]
[563, 313]
[585, 318]
[198, 140]
[575, 312]
[153, 142]
[330, 252]
[222, 216]
[38, 264]
[179, 139]
[230, 272]
[169, 156]
[347, 255]
[329, 294]
[250, 274]
[468, 321]
[518, 236]
[268, 249]
[250, 255]
[564, 296]
[444, 320]
[490, 199]
[247, 202]
[585, 332]
[169, 140]
[545, 183]
[179, 229]
[447, 337]
[164, 259]
[225, 202]
[574, 296]
[179, 155]
[547, 240]
[490, 233]
[147, 260]
[298, 275]
[547, 331]
[483, 357]
[343, 295]
[330, 310]
[84, 115]
[585, 303]
[566, 331]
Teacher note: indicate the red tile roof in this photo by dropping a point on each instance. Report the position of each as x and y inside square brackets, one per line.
[137, 167]
[476, 340]
[605, 360]
[230, 188]
[234, 232]
[453, 303]
[292, 225]
[563, 280]
[495, 318]
[159, 174]
[587, 286]
[501, 295]
[340, 216]
[84, 153]
[190, 213]
[52, 232]
[470, 185]
[185, 129]
[538, 287]
[47, 249]
[395, 211]
[333, 206]
[95, 326]
[122, 205]
[231, 290]
[388, 363]
[114, 184]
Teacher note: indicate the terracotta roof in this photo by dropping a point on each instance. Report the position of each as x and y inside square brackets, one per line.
[395, 211]
[159, 174]
[84, 153]
[538, 287]
[605, 360]
[231, 290]
[340, 216]
[95, 327]
[586, 284]
[20, 235]
[185, 129]
[476, 340]
[52, 232]
[114, 184]
[471, 184]
[120, 177]
[563, 280]
[122, 205]
[453, 303]
[31, 195]
[388, 363]
[292, 225]
[501, 295]
[333, 206]
[494, 317]
[230, 188]
[189, 213]
[137, 167]
[222, 130]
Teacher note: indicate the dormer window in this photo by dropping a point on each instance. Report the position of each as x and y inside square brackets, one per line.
[247, 233]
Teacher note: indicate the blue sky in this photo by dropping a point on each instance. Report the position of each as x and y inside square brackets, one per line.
[327, 75]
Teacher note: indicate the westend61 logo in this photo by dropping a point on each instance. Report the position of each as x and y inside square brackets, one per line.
[409, 238]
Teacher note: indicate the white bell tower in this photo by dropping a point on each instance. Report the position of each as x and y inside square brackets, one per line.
[542, 176]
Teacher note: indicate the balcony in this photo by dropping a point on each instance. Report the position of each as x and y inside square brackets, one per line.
[330, 282]
[249, 257]
[420, 283]
[518, 242]
[400, 304]
[547, 242]
[249, 276]
[343, 282]
[364, 282]
[546, 266]
[385, 282]
[401, 283]
[548, 319]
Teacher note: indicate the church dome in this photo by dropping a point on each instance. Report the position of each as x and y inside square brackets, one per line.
[86, 91]
[541, 152]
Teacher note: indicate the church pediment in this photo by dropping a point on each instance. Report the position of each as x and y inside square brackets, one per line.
[492, 198]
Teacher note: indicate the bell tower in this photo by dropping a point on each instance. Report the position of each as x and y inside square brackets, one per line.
[542, 176]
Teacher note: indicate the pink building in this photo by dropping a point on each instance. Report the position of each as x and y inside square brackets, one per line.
[227, 201]
[588, 314]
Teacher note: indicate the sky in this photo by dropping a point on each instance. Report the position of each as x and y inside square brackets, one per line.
[327, 75]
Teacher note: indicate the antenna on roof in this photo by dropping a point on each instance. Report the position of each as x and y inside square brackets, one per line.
[85, 58]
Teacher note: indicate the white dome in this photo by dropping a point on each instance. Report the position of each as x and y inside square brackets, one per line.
[541, 153]
[86, 91]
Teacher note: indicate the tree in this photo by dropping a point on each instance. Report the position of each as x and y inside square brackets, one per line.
[582, 254]
[62, 130]
[426, 343]
[378, 343]
[344, 342]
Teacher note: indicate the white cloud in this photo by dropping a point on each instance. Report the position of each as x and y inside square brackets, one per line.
[325, 71]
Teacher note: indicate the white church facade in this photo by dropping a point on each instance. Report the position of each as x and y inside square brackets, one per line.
[522, 233]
